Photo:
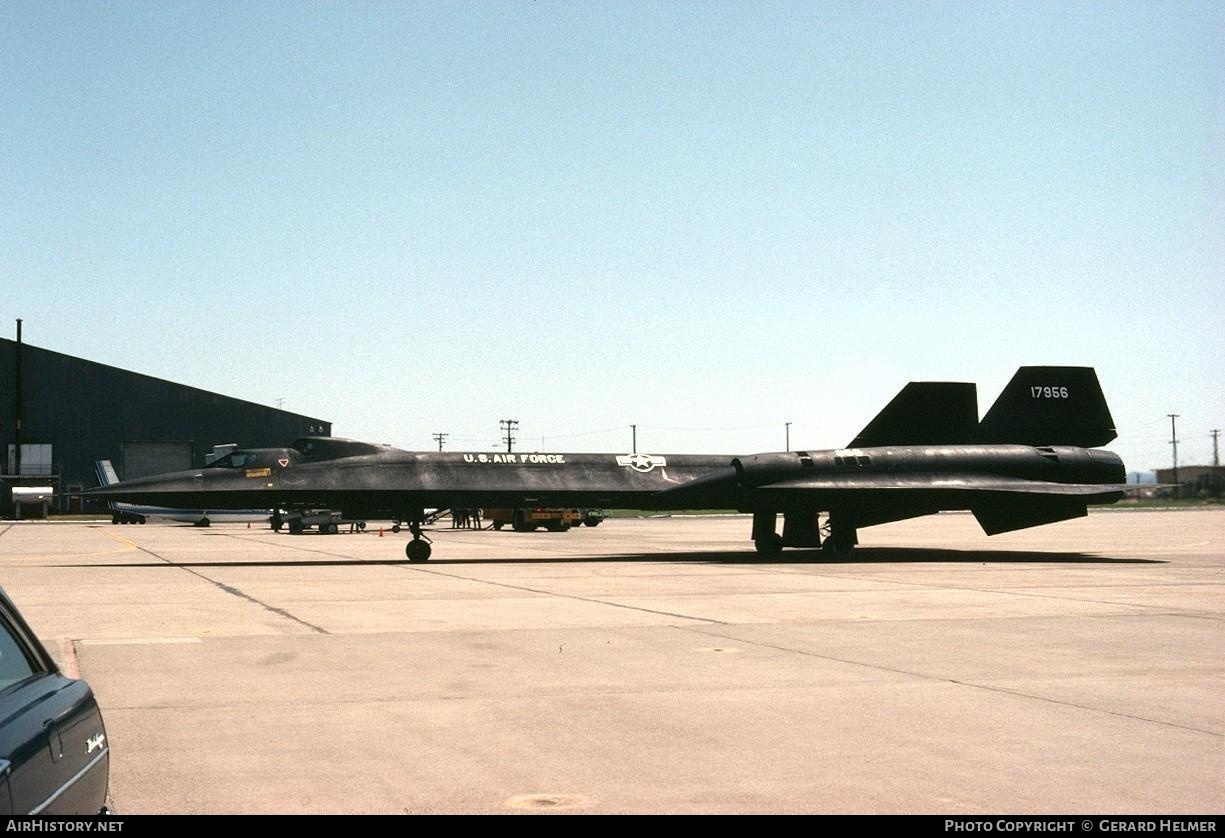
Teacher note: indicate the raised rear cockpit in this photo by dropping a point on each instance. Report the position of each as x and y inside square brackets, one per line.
[333, 448]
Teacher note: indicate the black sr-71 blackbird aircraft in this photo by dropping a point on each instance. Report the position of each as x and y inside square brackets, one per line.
[1031, 460]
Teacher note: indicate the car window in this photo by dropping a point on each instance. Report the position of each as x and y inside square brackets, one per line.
[15, 664]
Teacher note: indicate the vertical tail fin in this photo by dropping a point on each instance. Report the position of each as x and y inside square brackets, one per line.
[106, 473]
[1050, 406]
[924, 413]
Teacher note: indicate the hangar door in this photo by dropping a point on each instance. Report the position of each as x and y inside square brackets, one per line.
[140, 459]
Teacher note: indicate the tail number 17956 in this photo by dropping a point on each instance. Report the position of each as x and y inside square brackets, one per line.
[1048, 392]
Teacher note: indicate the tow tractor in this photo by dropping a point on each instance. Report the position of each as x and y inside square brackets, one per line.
[553, 519]
[327, 520]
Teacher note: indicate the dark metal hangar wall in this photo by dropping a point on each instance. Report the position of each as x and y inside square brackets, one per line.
[74, 412]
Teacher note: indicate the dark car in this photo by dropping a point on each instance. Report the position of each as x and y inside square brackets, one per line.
[54, 757]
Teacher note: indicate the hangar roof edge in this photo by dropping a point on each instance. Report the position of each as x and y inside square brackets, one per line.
[8, 344]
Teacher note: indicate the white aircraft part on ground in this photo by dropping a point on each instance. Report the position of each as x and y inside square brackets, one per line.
[123, 512]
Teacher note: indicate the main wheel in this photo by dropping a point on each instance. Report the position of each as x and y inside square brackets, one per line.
[417, 550]
[838, 548]
[770, 545]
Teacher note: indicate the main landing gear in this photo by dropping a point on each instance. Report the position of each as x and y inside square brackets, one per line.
[836, 539]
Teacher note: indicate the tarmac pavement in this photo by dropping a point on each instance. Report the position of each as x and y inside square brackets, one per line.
[646, 666]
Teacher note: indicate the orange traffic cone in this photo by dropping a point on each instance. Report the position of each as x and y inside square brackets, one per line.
[380, 532]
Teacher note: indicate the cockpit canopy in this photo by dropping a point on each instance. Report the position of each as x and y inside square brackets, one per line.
[310, 447]
[240, 459]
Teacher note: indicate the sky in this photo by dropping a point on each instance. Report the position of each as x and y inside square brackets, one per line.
[706, 219]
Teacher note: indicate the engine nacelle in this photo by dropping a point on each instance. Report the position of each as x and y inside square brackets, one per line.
[764, 469]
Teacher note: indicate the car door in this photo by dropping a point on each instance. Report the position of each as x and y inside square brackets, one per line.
[54, 757]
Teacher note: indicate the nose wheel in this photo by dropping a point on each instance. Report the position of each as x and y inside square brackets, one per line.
[417, 550]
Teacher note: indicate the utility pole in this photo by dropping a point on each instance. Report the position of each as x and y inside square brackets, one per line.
[634, 443]
[508, 428]
[787, 425]
[440, 438]
[1174, 443]
[17, 405]
[1215, 479]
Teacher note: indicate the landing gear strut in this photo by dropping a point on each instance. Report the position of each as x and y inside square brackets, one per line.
[836, 538]
[417, 550]
[767, 542]
[840, 540]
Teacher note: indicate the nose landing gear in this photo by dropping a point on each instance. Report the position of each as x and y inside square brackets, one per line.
[417, 550]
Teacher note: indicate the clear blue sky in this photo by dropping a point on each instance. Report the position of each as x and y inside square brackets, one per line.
[705, 218]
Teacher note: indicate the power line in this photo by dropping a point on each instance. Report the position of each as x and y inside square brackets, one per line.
[440, 438]
[586, 433]
[724, 428]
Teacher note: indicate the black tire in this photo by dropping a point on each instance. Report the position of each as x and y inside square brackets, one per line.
[838, 548]
[417, 550]
[361, 526]
[395, 527]
[770, 545]
[497, 525]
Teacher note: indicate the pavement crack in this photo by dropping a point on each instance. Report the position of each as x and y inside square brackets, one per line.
[543, 592]
[232, 591]
[942, 679]
[591, 600]
[1032, 594]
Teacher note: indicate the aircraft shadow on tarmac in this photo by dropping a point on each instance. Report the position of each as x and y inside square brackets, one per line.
[863, 556]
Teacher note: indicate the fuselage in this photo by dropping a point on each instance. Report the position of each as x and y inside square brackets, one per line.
[392, 482]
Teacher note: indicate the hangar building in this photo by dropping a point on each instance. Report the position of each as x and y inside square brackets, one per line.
[65, 413]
